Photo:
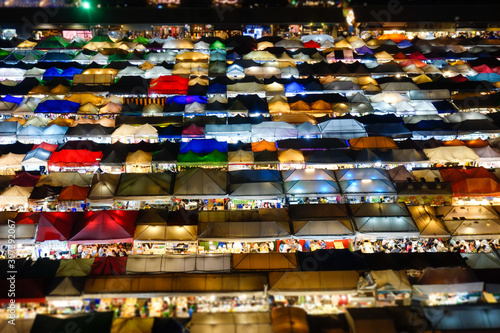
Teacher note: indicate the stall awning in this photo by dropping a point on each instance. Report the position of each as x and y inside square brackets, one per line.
[264, 261]
[176, 283]
[231, 322]
[296, 283]
[146, 264]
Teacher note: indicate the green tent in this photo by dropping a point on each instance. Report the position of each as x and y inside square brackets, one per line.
[141, 40]
[52, 42]
[4, 53]
[217, 45]
[75, 45]
[101, 39]
[194, 159]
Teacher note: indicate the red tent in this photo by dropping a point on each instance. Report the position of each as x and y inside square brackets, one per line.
[27, 218]
[25, 179]
[458, 78]
[415, 62]
[75, 158]
[55, 226]
[193, 131]
[482, 69]
[457, 174]
[74, 193]
[417, 55]
[400, 56]
[109, 266]
[47, 146]
[106, 226]
[171, 84]
[312, 44]
[476, 187]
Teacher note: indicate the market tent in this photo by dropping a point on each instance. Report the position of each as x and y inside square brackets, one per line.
[361, 173]
[382, 219]
[55, 226]
[200, 183]
[476, 187]
[342, 128]
[447, 280]
[109, 266]
[65, 288]
[166, 284]
[65, 179]
[481, 260]
[98, 322]
[11, 161]
[302, 283]
[138, 162]
[453, 154]
[427, 221]
[255, 322]
[240, 157]
[72, 158]
[168, 263]
[264, 145]
[373, 142]
[153, 225]
[147, 186]
[314, 188]
[73, 193]
[252, 190]
[103, 187]
[104, 226]
[74, 267]
[244, 224]
[400, 173]
[264, 261]
[35, 159]
[15, 195]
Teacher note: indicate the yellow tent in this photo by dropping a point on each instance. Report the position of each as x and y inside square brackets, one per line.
[110, 108]
[85, 98]
[61, 122]
[373, 142]
[132, 325]
[300, 106]
[291, 156]
[88, 108]
[279, 107]
[60, 90]
[289, 319]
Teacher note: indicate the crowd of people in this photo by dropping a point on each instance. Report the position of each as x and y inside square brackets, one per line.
[104, 250]
[427, 245]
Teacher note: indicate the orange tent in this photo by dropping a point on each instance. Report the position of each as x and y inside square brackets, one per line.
[373, 142]
[476, 187]
[397, 38]
[74, 193]
[264, 145]
[454, 142]
[300, 106]
[478, 143]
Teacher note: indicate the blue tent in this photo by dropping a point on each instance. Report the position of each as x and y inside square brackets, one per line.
[363, 50]
[294, 88]
[38, 153]
[30, 130]
[187, 99]
[12, 99]
[52, 73]
[8, 128]
[55, 130]
[390, 130]
[203, 146]
[405, 43]
[490, 77]
[57, 106]
[216, 88]
[69, 72]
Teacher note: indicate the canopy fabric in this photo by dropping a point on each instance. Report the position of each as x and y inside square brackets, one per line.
[55, 226]
[147, 264]
[297, 283]
[199, 183]
[264, 261]
[453, 154]
[109, 266]
[74, 267]
[147, 186]
[105, 226]
[255, 322]
[175, 283]
[73, 193]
